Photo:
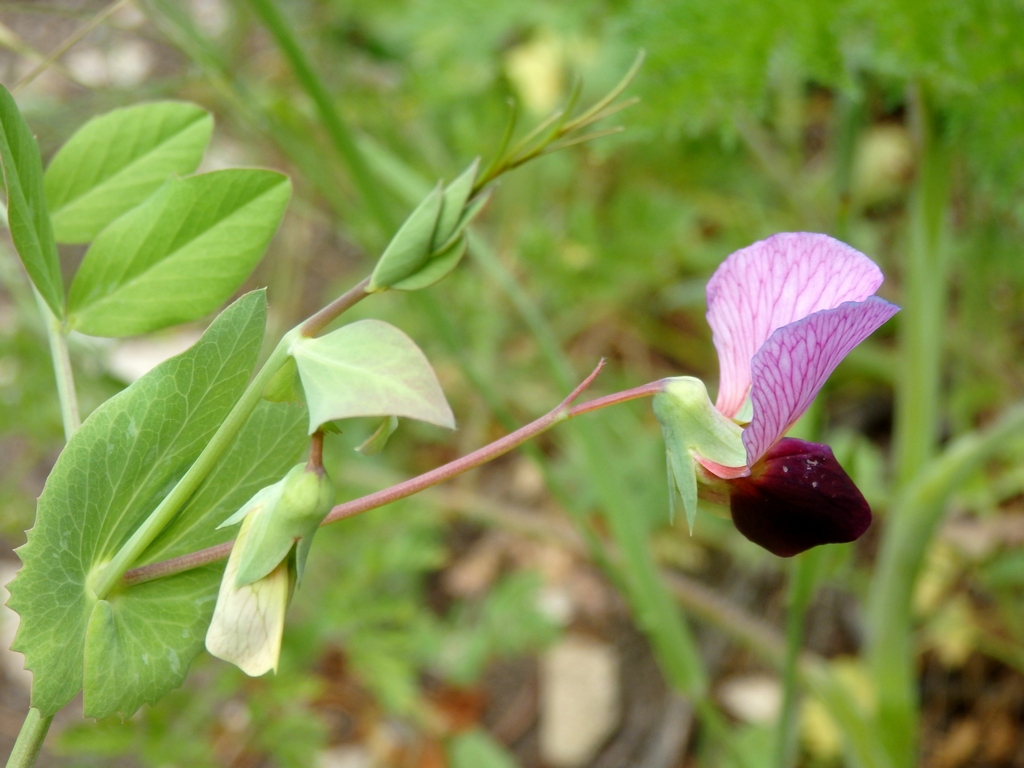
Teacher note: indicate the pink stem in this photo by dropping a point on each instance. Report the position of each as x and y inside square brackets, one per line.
[332, 311]
[563, 412]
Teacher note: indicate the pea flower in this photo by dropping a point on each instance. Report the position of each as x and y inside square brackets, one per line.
[265, 565]
[783, 312]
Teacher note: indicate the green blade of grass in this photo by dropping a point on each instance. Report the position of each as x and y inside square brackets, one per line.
[337, 129]
[919, 509]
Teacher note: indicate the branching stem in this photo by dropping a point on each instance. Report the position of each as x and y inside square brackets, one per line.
[563, 412]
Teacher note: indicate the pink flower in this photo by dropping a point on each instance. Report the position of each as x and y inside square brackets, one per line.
[784, 312]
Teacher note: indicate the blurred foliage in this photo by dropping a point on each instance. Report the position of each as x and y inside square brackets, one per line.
[755, 117]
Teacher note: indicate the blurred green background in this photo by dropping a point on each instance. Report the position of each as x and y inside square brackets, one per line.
[433, 632]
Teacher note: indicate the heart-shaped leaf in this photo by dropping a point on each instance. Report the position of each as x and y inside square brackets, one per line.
[119, 464]
[154, 630]
[369, 368]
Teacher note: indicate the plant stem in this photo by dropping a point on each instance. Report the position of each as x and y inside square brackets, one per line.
[562, 412]
[221, 440]
[332, 311]
[916, 434]
[30, 740]
[62, 370]
[802, 581]
[921, 506]
[655, 611]
[68, 43]
[316, 453]
[499, 447]
[144, 535]
[924, 299]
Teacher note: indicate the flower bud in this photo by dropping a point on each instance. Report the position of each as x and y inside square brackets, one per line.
[283, 514]
[248, 619]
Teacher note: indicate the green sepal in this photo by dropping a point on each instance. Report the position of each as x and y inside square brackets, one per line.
[375, 443]
[693, 427]
[472, 209]
[284, 386]
[282, 514]
[411, 245]
[456, 195]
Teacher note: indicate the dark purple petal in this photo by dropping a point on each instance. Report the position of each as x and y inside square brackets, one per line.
[773, 283]
[792, 365]
[796, 498]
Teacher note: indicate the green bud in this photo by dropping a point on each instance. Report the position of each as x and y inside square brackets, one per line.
[430, 243]
[435, 269]
[456, 195]
[693, 427]
[411, 246]
[248, 621]
[282, 515]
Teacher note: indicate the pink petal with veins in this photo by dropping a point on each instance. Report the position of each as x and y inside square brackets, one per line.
[793, 364]
[773, 283]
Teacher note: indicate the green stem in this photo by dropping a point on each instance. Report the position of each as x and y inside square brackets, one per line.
[339, 133]
[924, 299]
[68, 44]
[62, 370]
[802, 581]
[849, 122]
[144, 535]
[30, 740]
[332, 311]
[920, 509]
[106, 579]
[916, 435]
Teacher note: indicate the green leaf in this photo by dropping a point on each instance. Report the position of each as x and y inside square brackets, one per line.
[123, 459]
[455, 197]
[375, 443]
[477, 749]
[284, 386]
[369, 368]
[410, 247]
[27, 217]
[180, 254]
[139, 665]
[117, 160]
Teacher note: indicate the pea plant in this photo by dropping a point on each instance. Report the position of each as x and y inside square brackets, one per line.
[122, 581]
[213, 456]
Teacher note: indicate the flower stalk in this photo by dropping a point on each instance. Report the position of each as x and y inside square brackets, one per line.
[563, 412]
